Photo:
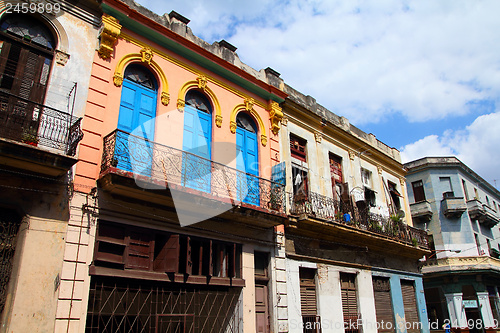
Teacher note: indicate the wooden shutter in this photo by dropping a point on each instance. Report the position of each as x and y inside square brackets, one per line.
[410, 306]
[140, 250]
[308, 292]
[167, 259]
[383, 304]
[349, 300]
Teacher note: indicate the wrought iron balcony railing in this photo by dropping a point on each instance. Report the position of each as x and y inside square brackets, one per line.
[329, 209]
[159, 164]
[25, 121]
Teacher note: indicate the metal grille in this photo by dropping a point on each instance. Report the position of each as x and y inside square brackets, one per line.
[344, 212]
[9, 226]
[131, 306]
[160, 163]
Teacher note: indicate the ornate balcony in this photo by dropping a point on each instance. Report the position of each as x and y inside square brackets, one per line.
[37, 138]
[135, 167]
[483, 213]
[421, 211]
[337, 212]
[453, 207]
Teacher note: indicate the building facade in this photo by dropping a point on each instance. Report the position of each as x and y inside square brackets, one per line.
[350, 250]
[44, 79]
[461, 211]
[173, 219]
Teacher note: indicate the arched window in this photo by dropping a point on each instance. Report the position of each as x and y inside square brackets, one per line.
[247, 159]
[197, 141]
[137, 113]
[26, 53]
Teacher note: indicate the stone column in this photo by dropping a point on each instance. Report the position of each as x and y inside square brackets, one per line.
[485, 308]
[456, 310]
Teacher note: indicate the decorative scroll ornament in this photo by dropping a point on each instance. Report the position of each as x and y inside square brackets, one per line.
[118, 79]
[232, 126]
[402, 182]
[263, 140]
[318, 136]
[379, 169]
[61, 57]
[352, 155]
[109, 35]
[276, 115]
[165, 98]
[202, 82]
[218, 120]
[147, 55]
[284, 121]
[180, 104]
[249, 102]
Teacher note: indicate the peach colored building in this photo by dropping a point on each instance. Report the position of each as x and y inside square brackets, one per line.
[173, 218]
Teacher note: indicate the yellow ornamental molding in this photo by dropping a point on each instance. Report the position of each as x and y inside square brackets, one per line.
[218, 120]
[145, 56]
[275, 115]
[201, 83]
[245, 107]
[109, 35]
[318, 136]
[263, 140]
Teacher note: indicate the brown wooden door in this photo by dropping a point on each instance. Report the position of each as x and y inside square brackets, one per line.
[410, 306]
[261, 307]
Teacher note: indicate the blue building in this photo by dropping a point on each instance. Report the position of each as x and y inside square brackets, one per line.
[461, 211]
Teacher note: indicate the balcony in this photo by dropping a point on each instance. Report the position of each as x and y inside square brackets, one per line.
[318, 208]
[483, 213]
[37, 138]
[135, 167]
[421, 211]
[453, 207]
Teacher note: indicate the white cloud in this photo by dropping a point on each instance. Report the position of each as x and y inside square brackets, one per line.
[477, 146]
[424, 59]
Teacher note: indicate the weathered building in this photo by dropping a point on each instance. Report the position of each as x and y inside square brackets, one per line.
[44, 79]
[350, 249]
[461, 211]
[172, 221]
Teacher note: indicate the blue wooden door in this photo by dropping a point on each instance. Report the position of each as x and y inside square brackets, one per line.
[196, 160]
[247, 161]
[137, 108]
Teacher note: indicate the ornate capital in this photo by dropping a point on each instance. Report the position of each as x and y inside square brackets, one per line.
[263, 140]
[202, 82]
[109, 35]
[352, 154]
[165, 98]
[147, 55]
[379, 169]
[61, 57]
[118, 79]
[284, 121]
[276, 115]
[180, 104]
[402, 182]
[318, 136]
[232, 126]
[249, 102]
[218, 120]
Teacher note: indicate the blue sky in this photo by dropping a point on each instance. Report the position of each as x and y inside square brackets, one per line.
[423, 76]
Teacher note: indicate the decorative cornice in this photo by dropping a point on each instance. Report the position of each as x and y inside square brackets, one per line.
[109, 35]
[275, 115]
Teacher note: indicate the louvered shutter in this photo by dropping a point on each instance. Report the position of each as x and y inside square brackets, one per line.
[349, 301]
[383, 304]
[307, 293]
[410, 305]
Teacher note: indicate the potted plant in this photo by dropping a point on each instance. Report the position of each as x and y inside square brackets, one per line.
[30, 136]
